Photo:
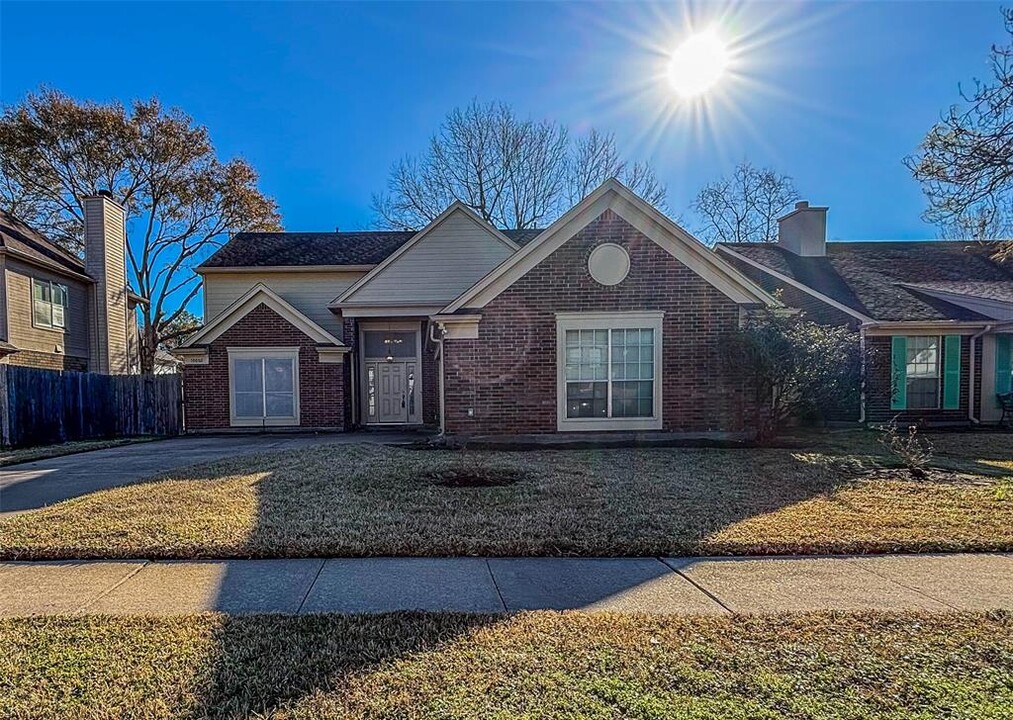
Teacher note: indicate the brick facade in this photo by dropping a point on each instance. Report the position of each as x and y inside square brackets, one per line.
[321, 385]
[47, 361]
[879, 386]
[507, 377]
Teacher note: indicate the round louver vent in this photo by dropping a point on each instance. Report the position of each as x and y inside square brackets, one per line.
[609, 264]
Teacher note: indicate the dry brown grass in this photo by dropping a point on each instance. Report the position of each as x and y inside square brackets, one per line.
[362, 500]
[534, 665]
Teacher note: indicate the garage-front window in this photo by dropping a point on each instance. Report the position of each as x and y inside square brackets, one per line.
[609, 370]
[264, 386]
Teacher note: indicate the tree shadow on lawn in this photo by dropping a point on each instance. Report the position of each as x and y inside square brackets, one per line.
[259, 664]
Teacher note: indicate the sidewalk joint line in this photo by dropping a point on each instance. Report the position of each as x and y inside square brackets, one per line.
[298, 610]
[854, 561]
[495, 584]
[109, 590]
[698, 586]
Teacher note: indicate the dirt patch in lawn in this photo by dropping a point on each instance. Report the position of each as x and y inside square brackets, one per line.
[366, 500]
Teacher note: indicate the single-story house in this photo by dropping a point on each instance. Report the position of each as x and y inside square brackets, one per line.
[611, 319]
[935, 317]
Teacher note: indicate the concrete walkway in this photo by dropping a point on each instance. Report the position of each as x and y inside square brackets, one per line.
[33, 485]
[936, 583]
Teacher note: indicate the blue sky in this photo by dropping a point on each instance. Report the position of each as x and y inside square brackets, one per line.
[323, 97]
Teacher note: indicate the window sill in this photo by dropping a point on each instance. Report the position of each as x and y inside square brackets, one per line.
[264, 422]
[597, 425]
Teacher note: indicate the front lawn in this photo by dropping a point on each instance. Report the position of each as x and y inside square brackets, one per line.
[359, 500]
[534, 665]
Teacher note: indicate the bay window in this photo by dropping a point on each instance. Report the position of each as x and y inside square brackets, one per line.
[609, 370]
[264, 386]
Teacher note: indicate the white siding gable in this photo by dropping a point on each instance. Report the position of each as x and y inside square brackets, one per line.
[449, 259]
[309, 292]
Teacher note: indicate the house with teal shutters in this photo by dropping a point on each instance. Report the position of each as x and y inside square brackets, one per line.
[935, 317]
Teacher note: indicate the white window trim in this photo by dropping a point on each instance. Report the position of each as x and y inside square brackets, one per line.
[940, 339]
[601, 321]
[291, 353]
[66, 306]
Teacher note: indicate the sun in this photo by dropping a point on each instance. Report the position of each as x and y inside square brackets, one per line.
[698, 64]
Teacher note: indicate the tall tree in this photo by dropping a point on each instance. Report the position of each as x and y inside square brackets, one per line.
[744, 207]
[965, 162]
[515, 173]
[181, 200]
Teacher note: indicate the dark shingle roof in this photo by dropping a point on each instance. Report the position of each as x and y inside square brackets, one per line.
[263, 249]
[18, 236]
[876, 278]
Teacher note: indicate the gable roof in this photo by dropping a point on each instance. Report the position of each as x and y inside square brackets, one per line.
[244, 305]
[894, 281]
[24, 240]
[457, 210]
[613, 195]
[283, 249]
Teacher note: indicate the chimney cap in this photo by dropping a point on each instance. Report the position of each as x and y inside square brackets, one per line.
[106, 193]
[802, 205]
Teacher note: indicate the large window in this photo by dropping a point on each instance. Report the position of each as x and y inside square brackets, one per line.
[49, 304]
[264, 386]
[923, 372]
[609, 371]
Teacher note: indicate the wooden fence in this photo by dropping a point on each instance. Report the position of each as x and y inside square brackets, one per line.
[40, 407]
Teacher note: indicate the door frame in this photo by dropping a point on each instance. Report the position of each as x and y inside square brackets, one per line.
[363, 362]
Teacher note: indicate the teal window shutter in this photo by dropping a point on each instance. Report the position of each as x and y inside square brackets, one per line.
[898, 373]
[1002, 365]
[951, 372]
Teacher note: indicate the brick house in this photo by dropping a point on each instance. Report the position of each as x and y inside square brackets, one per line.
[611, 319]
[936, 318]
[61, 312]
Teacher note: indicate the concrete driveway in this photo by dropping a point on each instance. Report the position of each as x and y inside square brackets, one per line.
[33, 485]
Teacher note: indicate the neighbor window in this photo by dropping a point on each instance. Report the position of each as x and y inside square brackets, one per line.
[609, 370]
[49, 304]
[923, 372]
[264, 386]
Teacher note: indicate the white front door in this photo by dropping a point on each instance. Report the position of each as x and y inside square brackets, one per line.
[392, 401]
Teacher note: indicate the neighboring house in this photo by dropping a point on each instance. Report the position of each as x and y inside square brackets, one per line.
[936, 318]
[61, 313]
[611, 319]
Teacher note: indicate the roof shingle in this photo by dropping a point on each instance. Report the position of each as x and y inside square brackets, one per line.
[283, 249]
[18, 236]
[878, 278]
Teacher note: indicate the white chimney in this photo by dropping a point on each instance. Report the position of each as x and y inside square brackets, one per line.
[803, 231]
[104, 261]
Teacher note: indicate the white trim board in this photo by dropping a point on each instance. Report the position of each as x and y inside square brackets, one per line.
[613, 195]
[244, 305]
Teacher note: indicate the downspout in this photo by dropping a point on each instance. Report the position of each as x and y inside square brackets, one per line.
[861, 376]
[970, 380]
[439, 355]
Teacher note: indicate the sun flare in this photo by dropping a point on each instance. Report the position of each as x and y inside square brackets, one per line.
[698, 64]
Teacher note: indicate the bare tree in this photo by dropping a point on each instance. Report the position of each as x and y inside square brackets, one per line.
[515, 173]
[181, 201]
[744, 207]
[965, 162]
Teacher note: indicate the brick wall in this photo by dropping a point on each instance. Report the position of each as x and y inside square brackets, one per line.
[508, 375]
[879, 391]
[47, 361]
[321, 385]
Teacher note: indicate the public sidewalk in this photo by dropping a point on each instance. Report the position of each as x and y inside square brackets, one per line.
[655, 585]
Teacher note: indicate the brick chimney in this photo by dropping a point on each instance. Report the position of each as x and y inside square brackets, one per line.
[803, 231]
[104, 260]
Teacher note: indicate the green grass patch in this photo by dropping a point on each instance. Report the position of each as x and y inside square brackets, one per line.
[534, 665]
[365, 500]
